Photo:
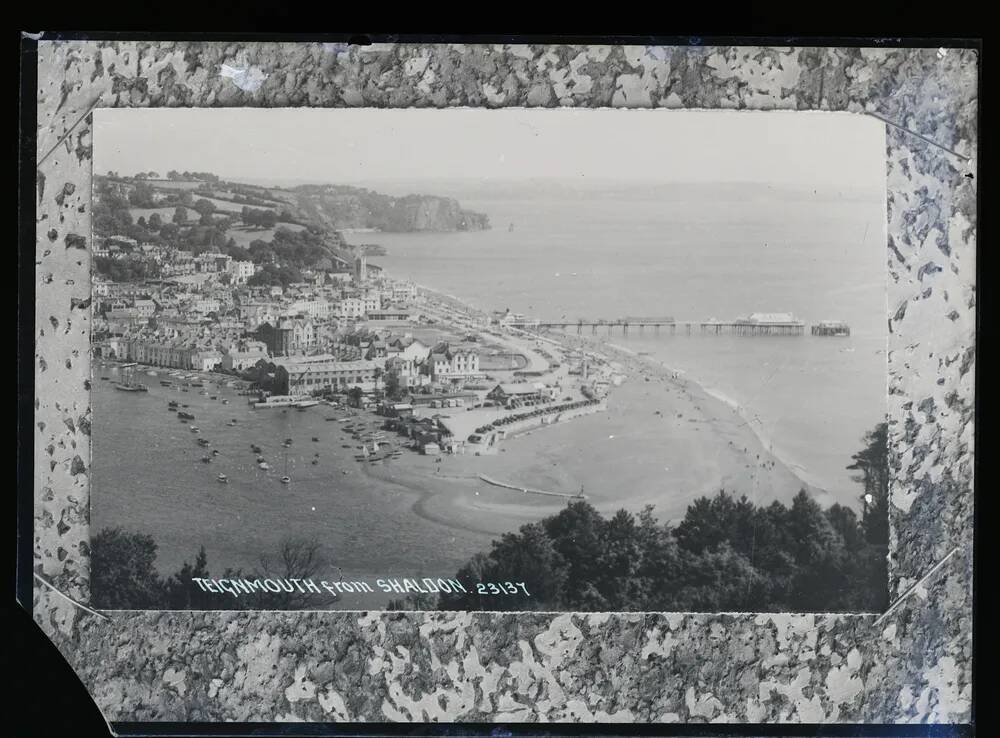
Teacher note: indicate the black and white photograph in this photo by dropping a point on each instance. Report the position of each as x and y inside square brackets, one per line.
[557, 360]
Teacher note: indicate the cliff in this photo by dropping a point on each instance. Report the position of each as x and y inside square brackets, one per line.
[338, 206]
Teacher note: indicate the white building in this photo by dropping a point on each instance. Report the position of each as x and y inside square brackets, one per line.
[311, 308]
[241, 271]
[307, 374]
[447, 365]
[350, 307]
[243, 356]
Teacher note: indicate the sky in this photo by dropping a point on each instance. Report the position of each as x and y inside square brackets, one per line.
[363, 145]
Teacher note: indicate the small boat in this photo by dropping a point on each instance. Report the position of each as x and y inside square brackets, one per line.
[255, 448]
[152, 373]
[105, 378]
[185, 416]
[315, 462]
[215, 452]
[316, 439]
[230, 424]
[222, 479]
[128, 383]
[165, 383]
[286, 480]
[264, 465]
[260, 459]
[172, 403]
[225, 402]
[206, 459]
[194, 429]
[184, 389]
[197, 384]
[202, 441]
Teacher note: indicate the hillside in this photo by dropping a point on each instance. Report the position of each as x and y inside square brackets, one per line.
[338, 206]
[285, 231]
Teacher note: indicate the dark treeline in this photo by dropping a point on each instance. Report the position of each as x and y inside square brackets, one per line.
[727, 554]
[123, 576]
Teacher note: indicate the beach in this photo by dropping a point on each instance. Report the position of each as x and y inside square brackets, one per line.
[663, 441]
[659, 439]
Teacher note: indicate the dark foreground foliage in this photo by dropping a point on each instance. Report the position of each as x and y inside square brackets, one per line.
[727, 554]
[124, 577]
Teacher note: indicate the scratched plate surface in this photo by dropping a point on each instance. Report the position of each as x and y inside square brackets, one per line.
[911, 664]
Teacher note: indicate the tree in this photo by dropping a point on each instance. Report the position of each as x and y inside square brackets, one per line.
[298, 558]
[393, 388]
[184, 593]
[577, 532]
[873, 463]
[180, 216]
[155, 222]
[141, 196]
[354, 395]
[204, 207]
[122, 572]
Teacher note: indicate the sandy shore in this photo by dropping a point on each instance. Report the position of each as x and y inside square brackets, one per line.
[663, 441]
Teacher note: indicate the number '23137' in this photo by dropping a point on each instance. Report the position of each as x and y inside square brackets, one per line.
[501, 588]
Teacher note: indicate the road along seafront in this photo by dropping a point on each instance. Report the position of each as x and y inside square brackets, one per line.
[658, 438]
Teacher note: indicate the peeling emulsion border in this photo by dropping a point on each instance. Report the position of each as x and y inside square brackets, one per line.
[912, 663]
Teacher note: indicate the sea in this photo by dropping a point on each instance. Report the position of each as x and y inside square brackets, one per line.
[694, 252]
[555, 252]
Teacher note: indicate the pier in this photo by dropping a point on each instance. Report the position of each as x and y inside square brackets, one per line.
[757, 324]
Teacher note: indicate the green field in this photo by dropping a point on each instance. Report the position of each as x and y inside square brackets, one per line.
[243, 236]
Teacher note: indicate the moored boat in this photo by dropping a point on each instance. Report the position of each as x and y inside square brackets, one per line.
[128, 383]
[222, 478]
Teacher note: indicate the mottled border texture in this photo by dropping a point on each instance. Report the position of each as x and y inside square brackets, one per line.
[911, 665]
